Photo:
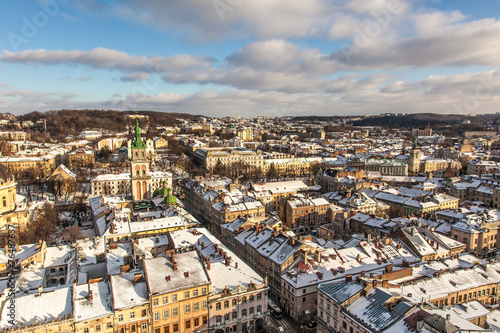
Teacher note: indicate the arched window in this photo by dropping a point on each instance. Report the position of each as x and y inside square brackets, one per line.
[137, 172]
[143, 171]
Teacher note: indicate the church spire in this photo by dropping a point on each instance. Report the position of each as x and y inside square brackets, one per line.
[138, 144]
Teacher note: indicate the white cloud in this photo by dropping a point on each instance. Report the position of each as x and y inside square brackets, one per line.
[462, 93]
[103, 58]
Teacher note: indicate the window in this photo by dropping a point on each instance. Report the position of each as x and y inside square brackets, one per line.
[176, 327]
[251, 310]
[165, 314]
[157, 316]
[144, 326]
[186, 294]
[196, 306]
[204, 305]
[259, 308]
[244, 312]
[121, 330]
[132, 315]
[157, 330]
[205, 319]
[226, 304]
[226, 317]
[244, 300]
[4, 199]
[195, 292]
[235, 302]
[120, 317]
[204, 290]
[165, 299]
[174, 298]
[97, 328]
[144, 313]
[175, 312]
[235, 315]
[251, 298]
[217, 306]
[259, 297]
[188, 324]
[196, 321]
[187, 309]
[132, 328]
[166, 329]
[155, 301]
[303, 300]
[85, 330]
[304, 291]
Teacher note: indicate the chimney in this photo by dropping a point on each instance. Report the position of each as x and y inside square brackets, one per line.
[172, 258]
[91, 296]
[208, 265]
[186, 274]
[437, 246]
[174, 264]
[348, 278]
[167, 277]
[385, 283]
[412, 231]
[369, 237]
[318, 257]
[363, 273]
[137, 277]
[202, 245]
[235, 265]
[143, 257]
[388, 268]
[448, 317]
[228, 261]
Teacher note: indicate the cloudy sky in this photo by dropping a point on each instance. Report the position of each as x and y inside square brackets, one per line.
[251, 57]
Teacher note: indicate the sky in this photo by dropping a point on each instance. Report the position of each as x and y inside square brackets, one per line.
[251, 57]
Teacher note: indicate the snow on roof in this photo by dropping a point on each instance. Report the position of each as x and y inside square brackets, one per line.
[340, 292]
[40, 307]
[447, 283]
[158, 269]
[282, 187]
[373, 311]
[220, 274]
[126, 292]
[116, 257]
[99, 306]
[89, 249]
[419, 242]
[162, 223]
[58, 255]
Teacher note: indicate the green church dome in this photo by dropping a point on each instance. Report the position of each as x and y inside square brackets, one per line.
[171, 199]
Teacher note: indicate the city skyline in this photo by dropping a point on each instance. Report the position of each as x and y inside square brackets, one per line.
[272, 57]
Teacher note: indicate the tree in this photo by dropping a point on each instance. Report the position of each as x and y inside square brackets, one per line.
[71, 234]
[43, 226]
[272, 173]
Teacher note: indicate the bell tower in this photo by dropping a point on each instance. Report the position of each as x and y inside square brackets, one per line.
[414, 163]
[139, 168]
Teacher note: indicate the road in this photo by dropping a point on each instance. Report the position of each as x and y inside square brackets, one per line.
[288, 325]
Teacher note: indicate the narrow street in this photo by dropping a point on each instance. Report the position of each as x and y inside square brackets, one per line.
[288, 325]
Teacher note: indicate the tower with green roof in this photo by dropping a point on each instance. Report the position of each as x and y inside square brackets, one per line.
[139, 168]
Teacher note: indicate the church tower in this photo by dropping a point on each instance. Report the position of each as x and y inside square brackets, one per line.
[414, 163]
[139, 168]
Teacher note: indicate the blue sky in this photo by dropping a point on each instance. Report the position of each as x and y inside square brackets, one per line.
[249, 58]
